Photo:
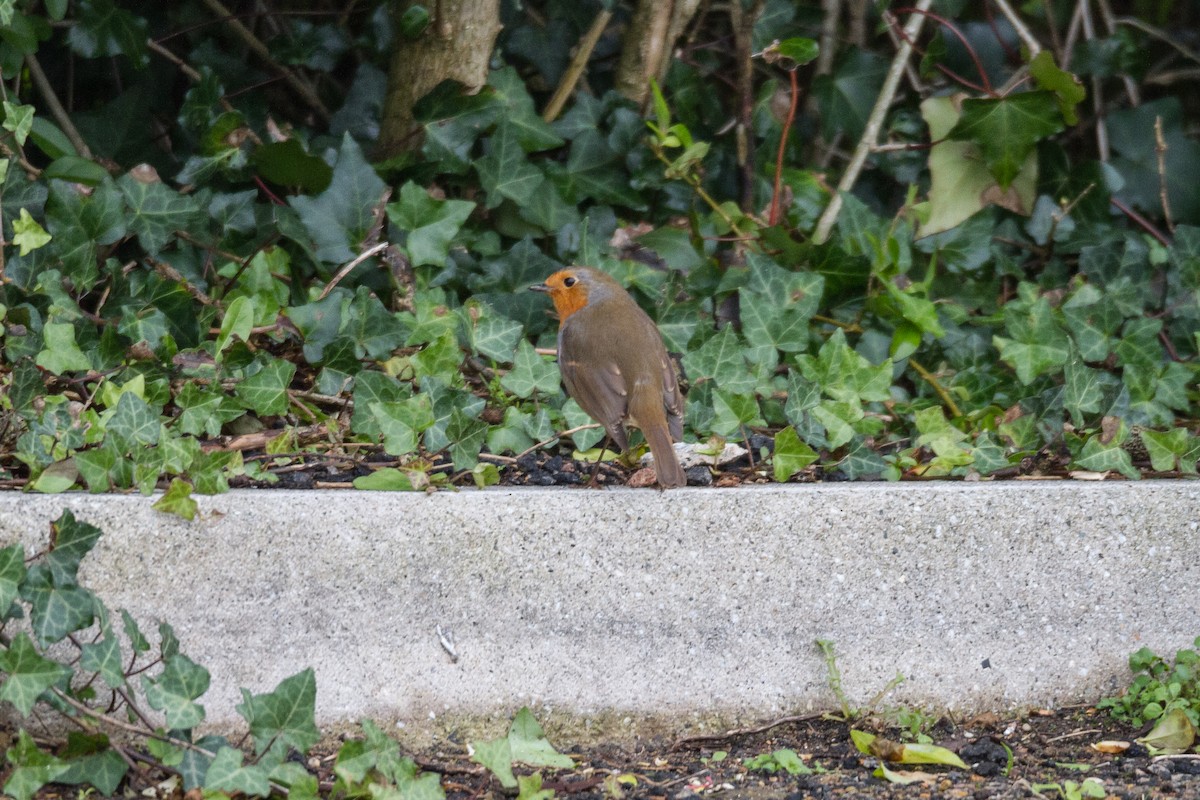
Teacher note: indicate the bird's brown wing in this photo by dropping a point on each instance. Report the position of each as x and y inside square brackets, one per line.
[598, 388]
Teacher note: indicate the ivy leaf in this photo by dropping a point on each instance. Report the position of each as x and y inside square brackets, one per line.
[846, 96]
[722, 360]
[506, 171]
[1082, 390]
[401, 422]
[528, 745]
[791, 454]
[1096, 456]
[18, 118]
[174, 690]
[32, 769]
[228, 774]
[496, 755]
[960, 183]
[79, 223]
[266, 391]
[467, 435]
[431, 224]
[178, 500]
[104, 657]
[1168, 451]
[98, 765]
[1067, 87]
[734, 411]
[283, 718]
[55, 610]
[1006, 129]
[28, 235]
[340, 218]
[60, 353]
[237, 322]
[1038, 345]
[12, 573]
[531, 373]
[205, 410]
[105, 30]
[133, 423]
[156, 212]
[493, 335]
[27, 674]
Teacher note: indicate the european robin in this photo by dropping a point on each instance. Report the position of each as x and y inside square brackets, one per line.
[614, 364]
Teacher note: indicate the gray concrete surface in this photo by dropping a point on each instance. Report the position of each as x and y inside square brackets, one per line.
[636, 602]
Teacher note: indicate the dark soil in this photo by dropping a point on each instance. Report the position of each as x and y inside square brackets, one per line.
[1048, 747]
[1052, 755]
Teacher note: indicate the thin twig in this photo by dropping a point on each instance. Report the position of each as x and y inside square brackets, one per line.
[344, 271]
[46, 90]
[1160, 150]
[932, 380]
[1089, 33]
[553, 439]
[719, 737]
[1142, 222]
[890, 84]
[1074, 735]
[299, 86]
[783, 137]
[571, 77]
[1023, 33]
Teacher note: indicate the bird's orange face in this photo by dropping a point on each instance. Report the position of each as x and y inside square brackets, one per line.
[567, 289]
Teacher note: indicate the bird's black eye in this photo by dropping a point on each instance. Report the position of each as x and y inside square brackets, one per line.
[571, 281]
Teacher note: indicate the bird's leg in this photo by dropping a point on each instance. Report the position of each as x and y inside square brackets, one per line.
[591, 484]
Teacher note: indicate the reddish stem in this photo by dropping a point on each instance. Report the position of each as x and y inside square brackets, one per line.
[783, 137]
[938, 18]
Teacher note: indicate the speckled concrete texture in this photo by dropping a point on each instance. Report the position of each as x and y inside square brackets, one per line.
[984, 596]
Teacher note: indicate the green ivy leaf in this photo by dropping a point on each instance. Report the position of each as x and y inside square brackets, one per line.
[496, 755]
[174, 690]
[228, 774]
[431, 224]
[339, 219]
[493, 335]
[791, 454]
[528, 745]
[237, 322]
[722, 360]
[27, 674]
[18, 119]
[178, 500]
[506, 171]
[60, 353]
[1171, 450]
[266, 391]
[12, 573]
[134, 423]
[531, 373]
[99, 766]
[105, 30]
[33, 769]
[1006, 129]
[1097, 456]
[155, 212]
[401, 422]
[283, 718]
[28, 235]
[1067, 87]
[104, 657]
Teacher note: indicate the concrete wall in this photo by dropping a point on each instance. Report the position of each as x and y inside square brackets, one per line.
[984, 596]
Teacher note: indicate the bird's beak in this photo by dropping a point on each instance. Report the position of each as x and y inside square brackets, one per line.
[539, 287]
